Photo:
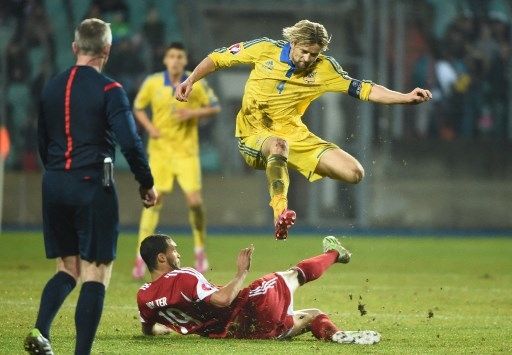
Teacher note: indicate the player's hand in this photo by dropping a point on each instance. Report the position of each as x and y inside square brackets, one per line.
[244, 259]
[419, 95]
[160, 329]
[183, 90]
[149, 196]
[153, 132]
[185, 114]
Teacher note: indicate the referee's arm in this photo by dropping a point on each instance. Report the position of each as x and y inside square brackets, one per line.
[120, 118]
[42, 137]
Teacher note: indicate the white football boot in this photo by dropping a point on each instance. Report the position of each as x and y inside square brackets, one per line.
[332, 243]
[363, 337]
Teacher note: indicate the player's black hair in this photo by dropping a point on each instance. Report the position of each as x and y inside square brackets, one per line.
[176, 45]
[151, 247]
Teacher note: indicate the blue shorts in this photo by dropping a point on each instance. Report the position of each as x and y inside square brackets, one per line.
[80, 216]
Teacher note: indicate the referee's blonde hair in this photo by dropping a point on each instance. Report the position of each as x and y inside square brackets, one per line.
[307, 32]
[92, 36]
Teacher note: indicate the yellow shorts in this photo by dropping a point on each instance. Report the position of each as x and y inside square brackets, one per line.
[186, 170]
[304, 153]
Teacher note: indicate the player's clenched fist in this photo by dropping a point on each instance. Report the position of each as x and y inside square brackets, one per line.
[183, 90]
[244, 259]
[149, 196]
[420, 95]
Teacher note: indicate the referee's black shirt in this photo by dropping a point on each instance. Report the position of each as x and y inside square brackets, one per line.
[81, 116]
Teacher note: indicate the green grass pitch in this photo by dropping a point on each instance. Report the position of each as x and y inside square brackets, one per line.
[424, 295]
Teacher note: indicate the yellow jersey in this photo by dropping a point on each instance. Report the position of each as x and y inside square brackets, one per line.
[276, 94]
[177, 139]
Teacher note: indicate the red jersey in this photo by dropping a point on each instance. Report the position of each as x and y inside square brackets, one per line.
[180, 300]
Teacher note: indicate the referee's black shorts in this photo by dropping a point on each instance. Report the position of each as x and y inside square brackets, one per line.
[80, 216]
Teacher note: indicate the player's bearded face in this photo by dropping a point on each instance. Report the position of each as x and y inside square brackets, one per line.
[303, 55]
[175, 61]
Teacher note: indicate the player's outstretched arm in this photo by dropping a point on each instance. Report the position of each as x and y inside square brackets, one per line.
[226, 295]
[204, 68]
[383, 95]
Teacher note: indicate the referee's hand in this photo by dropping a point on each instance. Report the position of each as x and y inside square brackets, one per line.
[149, 196]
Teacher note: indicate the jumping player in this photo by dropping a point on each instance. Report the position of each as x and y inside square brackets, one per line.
[183, 300]
[173, 147]
[286, 76]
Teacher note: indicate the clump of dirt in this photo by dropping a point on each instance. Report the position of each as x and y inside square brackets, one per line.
[361, 308]
[430, 313]
[350, 296]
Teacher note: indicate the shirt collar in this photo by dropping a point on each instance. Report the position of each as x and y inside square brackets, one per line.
[167, 79]
[285, 55]
[285, 58]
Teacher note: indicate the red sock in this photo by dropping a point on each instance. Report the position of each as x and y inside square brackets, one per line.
[312, 268]
[322, 327]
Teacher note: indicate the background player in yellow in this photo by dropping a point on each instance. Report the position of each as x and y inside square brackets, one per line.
[173, 146]
[286, 77]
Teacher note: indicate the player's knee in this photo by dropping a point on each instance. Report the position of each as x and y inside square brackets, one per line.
[353, 174]
[314, 312]
[194, 201]
[279, 146]
[70, 267]
[357, 173]
[93, 272]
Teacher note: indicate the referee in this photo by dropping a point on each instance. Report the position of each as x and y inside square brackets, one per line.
[82, 114]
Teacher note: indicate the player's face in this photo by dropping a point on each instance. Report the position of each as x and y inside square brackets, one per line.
[172, 256]
[303, 55]
[175, 61]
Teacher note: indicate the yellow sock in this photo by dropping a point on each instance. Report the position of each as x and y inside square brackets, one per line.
[197, 219]
[148, 223]
[278, 182]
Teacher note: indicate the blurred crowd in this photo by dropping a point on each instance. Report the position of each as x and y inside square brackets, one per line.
[468, 70]
[31, 58]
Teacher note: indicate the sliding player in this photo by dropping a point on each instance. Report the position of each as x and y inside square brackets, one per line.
[183, 300]
[173, 147]
[286, 77]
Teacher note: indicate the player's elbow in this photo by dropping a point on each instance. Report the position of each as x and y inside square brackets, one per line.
[146, 330]
[220, 300]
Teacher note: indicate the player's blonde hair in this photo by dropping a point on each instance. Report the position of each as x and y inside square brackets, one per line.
[92, 36]
[307, 32]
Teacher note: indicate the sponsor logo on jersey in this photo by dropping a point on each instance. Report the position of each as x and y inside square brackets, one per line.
[269, 65]
[235, 48]
[206, 287]
[310, 78]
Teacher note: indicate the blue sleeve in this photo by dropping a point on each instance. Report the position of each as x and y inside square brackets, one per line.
[122, 123]
[42, 136]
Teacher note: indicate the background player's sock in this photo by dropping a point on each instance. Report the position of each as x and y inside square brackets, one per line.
[87, 315]
[196, 218]
[148, 222]
[312, 268]
[54, 294]
[323, 328]
[278, 182]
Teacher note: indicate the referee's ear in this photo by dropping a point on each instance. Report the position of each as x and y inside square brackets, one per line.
[74, 48]
[106, 50]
